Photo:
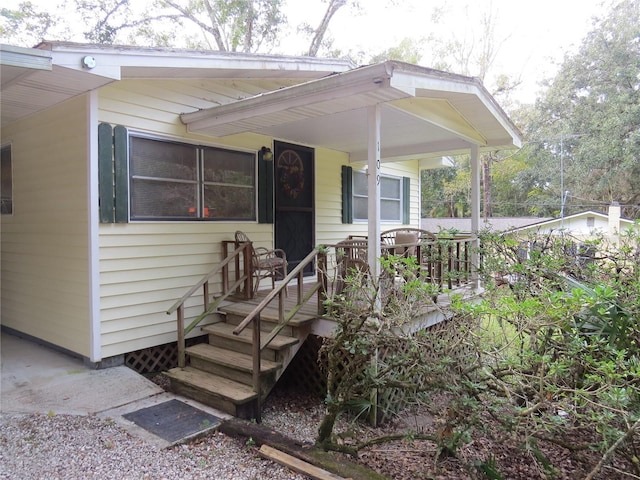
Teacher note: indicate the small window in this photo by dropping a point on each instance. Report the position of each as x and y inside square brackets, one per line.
[6, 181]
[179, 181]
[591, 222]
[390, 197]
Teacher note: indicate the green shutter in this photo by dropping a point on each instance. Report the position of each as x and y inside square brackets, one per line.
[121, 154]
[347, 194]
[406, 200]
[105, 172]
[265, 190]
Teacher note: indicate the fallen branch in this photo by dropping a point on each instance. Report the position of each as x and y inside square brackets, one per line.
[611, 450]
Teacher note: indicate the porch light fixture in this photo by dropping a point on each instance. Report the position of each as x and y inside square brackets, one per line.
[267, 154]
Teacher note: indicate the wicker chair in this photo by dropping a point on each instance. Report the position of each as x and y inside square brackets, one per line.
[350, 255]
[404, 241]
[265, 263]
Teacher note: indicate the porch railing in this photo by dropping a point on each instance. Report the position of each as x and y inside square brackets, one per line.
[240, 257]
[304, 293]
[444, 261]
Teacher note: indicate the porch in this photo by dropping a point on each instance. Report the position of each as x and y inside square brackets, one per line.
[253, 336]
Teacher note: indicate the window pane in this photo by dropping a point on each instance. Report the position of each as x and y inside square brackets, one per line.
[229, 203]
[226, 166]
[389, 187]
[6, 182]
[359, 183]
[159, 199]
[156, 159]
[360, 208]
[390, 210]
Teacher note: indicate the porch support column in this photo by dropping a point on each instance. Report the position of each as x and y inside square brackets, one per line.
[373, 184]
[475, 213]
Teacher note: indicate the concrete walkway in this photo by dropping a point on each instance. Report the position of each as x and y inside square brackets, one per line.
[38, 379]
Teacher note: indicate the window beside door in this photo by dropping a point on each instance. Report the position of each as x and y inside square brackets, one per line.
[180, 181]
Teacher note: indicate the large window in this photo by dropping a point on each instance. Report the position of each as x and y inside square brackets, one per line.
[390, 197]
[6, 181]
[178, 181]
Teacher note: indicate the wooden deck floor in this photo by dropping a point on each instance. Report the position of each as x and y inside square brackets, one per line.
[323, 325]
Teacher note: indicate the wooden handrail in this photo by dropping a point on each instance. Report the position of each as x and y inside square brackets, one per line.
[208, 308]
[283, 319]
[279, 290]
[206, 278]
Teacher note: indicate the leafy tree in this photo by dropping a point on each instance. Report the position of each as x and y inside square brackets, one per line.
[28, 26]
[590, 115]
[408, 50]
[248, 26]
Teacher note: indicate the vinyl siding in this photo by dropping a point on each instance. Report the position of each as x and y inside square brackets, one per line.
[329, 226]
[146, 266]
[45, 290]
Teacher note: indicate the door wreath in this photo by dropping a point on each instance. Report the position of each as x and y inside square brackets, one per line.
[291, 173]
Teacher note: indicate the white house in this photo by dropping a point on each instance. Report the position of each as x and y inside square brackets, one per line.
[124, 168]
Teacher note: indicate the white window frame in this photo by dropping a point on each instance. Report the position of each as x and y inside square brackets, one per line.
[399, 199]
[200, 182]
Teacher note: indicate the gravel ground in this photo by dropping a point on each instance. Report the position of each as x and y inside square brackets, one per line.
[87, 447]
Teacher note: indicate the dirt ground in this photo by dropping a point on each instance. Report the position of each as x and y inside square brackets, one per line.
[490, 455]
[487, 453]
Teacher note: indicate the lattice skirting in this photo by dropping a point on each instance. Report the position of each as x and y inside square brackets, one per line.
[444, 338]
[304, 373]
[159, 358]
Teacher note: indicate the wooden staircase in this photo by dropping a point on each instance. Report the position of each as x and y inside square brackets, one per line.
[220, 373]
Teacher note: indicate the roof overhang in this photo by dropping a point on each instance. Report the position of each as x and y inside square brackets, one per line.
[424, 113]
[34, 79]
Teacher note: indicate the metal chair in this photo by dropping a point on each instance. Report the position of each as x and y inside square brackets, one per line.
[265, 263]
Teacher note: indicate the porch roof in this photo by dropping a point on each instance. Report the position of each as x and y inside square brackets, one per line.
[33, 79]
[424, 113]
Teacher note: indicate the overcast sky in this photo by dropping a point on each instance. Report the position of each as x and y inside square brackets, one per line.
[534, 35]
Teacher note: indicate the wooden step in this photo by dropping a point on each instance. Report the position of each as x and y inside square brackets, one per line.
[231, 397]
[229, 358]
[269, 314]
[225, 330]
[232, 365]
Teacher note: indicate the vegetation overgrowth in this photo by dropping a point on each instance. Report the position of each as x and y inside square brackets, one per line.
[549, 355]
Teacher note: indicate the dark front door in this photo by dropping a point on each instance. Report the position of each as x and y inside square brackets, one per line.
[294, 201]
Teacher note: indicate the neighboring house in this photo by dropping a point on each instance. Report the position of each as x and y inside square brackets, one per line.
[123, 170]
[463, 225]
[583, 226]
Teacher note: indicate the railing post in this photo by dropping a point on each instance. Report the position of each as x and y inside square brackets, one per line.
[322, 279]
[181, 354]
[281, 307]
[225, 269]
[256, 365]
[205, 293]
[248, 271]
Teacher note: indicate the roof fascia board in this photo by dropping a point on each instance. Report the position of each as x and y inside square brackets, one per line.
[72, 54]
[328, 88]
[424, 84]
[412, 81]
[30, 58]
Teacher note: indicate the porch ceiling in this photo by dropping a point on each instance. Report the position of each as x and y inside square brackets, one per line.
[424, 113]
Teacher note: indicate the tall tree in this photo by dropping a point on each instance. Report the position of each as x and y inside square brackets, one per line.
[473, 53]
[28, 25]
[589, 118]
[248, 26]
